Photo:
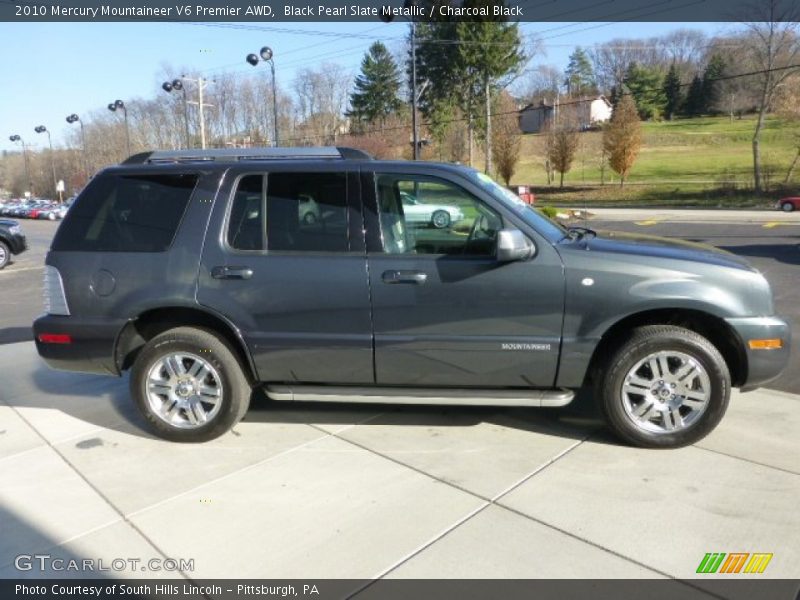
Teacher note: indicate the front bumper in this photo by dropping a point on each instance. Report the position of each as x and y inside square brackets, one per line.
[18, 243]
[763, 365]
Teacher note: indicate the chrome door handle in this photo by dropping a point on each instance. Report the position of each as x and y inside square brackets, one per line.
[415, 277]
[231, 273]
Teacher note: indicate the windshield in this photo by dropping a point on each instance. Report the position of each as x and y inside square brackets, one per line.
[552, 230]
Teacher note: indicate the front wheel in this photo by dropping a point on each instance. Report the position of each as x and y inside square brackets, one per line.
[787, 207]
[665, 387]
[189, 385]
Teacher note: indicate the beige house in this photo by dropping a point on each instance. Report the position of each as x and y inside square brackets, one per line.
[582, 112]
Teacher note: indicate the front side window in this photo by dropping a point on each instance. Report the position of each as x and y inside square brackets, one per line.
[246, 229]
[428, 215]
[126, 213]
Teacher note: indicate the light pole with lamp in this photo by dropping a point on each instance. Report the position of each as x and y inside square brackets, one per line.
[177, 85]
[120, 105]
[17, 138]
[73, 118]
[43, 129]
[265, 55]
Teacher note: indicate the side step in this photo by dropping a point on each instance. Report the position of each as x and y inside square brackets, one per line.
[401, 395]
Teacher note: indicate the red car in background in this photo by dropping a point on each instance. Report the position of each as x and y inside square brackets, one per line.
[789, 204]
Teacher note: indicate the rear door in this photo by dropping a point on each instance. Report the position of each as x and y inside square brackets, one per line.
[285, 261]
[445, 311]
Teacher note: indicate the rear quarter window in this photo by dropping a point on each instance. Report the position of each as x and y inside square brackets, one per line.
[126, 213]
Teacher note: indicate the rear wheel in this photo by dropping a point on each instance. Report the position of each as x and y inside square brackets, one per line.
[665, 387]
[189, 385]
[440, 219]
[5, 254]
[787, 207]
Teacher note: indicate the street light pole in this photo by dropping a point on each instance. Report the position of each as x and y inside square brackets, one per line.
[177, 84]
[73, 118]
[266, 56]
[120, 105]
[201, 85]
[43, 129]
[17, 138]
[414, 127]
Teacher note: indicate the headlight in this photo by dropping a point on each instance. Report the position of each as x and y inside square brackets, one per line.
[15, 229]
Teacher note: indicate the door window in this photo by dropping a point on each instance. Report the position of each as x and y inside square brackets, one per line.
[305, 212]
[427, 215]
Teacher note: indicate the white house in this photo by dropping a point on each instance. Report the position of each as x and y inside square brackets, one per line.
[583, 113]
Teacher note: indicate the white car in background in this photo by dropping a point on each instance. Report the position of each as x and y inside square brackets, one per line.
[439, 216]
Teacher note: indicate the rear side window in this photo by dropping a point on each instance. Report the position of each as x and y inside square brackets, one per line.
[305, 212]
[126, 213]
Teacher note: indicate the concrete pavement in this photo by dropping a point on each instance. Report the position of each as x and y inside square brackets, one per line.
[358, 491]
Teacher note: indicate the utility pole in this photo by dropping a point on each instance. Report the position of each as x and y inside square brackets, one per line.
[201, 85]
[414, 127]
[488, 128]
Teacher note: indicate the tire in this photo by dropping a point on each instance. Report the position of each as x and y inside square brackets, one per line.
[440, 219]
[5, 255]
[787, 207]
[640, 406]
[225, 389]
[309, 218]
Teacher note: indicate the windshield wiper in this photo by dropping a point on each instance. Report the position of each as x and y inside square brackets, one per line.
[579, 232]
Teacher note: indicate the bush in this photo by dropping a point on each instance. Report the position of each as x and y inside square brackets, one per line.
[548, 211]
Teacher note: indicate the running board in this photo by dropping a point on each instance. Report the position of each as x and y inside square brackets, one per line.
[398, 395]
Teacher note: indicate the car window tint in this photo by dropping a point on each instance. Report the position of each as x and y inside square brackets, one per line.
[246, 222]
[427, 215]
[126, 213]
[307, 212]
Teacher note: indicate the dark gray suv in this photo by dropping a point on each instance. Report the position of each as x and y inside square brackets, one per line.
[321, 274]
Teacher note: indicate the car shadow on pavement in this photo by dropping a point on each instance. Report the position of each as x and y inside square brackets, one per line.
[785, 253]
[106, 402]
[12, 335]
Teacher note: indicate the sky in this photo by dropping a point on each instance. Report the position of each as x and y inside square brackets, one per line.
[51, 70]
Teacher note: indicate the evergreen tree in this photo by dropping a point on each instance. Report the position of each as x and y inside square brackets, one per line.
[645, 86]
[377, 88]
[462, 61]
[695, 98]
[672, 93]
[580, 79]
[711, 86]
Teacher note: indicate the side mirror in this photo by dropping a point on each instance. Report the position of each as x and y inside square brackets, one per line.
[512, 245]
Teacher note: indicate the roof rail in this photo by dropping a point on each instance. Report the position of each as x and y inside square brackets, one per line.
[245, 154]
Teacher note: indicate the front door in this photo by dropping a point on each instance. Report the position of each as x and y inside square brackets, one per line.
[286, 264]
[445, 311]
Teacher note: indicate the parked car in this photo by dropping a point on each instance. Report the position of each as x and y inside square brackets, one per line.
[194, 271]
[12, 241]
[51, 212]
[789, 204]
[437, 215]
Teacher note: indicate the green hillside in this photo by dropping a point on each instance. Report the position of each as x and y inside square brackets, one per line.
[705, 161]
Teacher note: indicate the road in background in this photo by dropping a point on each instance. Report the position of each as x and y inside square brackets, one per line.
[772, 245]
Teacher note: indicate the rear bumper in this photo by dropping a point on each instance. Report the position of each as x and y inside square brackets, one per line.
[763, 365]
[91, 346]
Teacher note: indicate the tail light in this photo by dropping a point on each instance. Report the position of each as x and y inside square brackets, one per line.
[55, 300]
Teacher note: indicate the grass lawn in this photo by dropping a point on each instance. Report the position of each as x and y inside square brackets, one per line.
[687, 162]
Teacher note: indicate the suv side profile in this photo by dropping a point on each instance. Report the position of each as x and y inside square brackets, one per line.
[201, 273]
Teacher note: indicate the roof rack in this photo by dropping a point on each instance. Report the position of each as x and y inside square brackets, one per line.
[245, 154]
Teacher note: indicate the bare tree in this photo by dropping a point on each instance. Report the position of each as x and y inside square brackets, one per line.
[506, 140]
[622, 137]
[773, 47]
[562, 144]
